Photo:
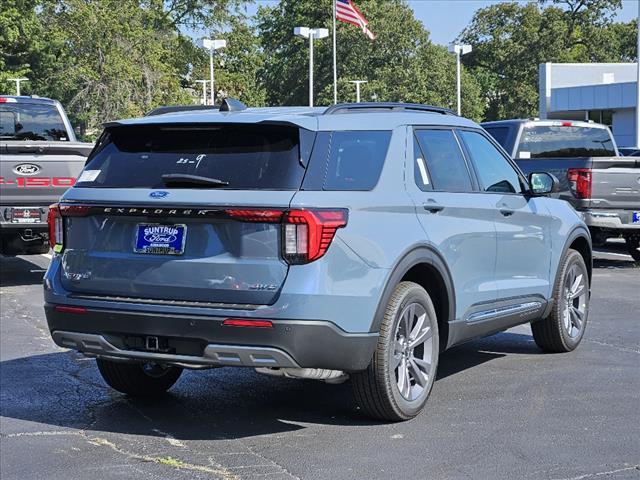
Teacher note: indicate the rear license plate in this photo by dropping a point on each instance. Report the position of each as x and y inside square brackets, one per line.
[636, 217]
[160, 239]
[25, 215]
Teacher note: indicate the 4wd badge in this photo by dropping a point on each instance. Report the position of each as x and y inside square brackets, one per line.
[26, 169]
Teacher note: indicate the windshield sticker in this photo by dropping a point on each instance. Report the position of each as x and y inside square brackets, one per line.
[525, 155]
[89, 175]
[197, 161]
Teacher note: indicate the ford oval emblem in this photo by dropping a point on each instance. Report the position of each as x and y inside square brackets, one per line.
[159, 194]
[26, 169]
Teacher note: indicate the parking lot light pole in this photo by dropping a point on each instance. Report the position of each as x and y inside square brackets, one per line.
[204, 90]
[358, 83]
[311, 34]
[213, 45]
[18, 80]
[459, 50]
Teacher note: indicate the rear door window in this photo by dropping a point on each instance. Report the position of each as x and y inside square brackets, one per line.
[447, 168]
[355, 159]
[248, 157]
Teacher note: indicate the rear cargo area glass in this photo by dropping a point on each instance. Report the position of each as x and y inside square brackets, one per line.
[248, 157]
[561, 141]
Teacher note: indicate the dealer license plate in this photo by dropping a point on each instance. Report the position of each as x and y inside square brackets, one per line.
[636, 217]
[160, 239]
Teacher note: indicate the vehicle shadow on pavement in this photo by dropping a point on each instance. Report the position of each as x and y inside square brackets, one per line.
[16, 271]
[65, 390]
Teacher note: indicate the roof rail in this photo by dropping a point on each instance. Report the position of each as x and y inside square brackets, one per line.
[382, 106]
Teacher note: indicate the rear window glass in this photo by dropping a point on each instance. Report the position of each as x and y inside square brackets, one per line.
[31, 121]
[247, 157]
[557, 141]
[355, 159]
[500, 134]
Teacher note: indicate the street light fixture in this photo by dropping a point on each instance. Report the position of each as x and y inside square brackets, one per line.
[18, 80]
[204, 90]
[213, 45]
[358, 83]
[459, 50]
[311, 34]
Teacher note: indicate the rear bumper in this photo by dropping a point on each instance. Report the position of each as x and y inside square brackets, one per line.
[203, 340]
[611, 219]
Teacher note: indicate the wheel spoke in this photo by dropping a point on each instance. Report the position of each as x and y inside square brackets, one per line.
[577, 286]
[418, 326]
[407, 319]
[425, 335]
[402, 375]
[576, 317]
[418, 375]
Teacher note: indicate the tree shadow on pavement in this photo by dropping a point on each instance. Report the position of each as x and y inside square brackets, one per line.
[65, 389]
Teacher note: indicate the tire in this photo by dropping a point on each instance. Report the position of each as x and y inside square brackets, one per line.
[378, 388]
[138, 379]
[633, 246]
[564, 328]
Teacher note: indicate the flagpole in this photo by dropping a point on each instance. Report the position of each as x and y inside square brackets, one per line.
[335, 63]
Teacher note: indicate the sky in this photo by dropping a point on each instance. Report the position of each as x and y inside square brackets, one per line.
[445, 19]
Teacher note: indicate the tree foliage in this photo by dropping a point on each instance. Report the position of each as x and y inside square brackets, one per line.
[106, 59]
[510, 40]
[400, 65]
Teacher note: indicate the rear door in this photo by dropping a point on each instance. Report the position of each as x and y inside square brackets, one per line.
[456, 219]
[210, 233]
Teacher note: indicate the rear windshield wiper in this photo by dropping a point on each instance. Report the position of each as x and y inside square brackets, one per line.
[183, 180]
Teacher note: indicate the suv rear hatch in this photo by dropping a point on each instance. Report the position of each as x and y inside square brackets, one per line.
[184, 213]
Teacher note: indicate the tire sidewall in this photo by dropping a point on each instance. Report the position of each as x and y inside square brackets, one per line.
[573, 258]
[415, 294]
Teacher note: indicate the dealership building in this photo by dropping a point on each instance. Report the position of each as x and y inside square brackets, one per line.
[602, 92]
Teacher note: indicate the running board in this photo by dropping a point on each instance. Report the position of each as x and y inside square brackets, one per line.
[521, 308]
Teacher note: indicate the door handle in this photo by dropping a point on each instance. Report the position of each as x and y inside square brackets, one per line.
[505, 210]
[432, 206]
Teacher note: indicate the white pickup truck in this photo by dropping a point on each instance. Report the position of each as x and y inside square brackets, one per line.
[39, 159]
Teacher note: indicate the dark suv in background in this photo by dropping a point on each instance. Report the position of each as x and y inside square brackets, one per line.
[351, 241]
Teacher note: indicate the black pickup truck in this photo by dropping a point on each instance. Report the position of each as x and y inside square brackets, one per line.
[602, 185]
[39, 159]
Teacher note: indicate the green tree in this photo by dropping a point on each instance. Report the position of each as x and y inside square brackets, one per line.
[400, 65]
[510, 40]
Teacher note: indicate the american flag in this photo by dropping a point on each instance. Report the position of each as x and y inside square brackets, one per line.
[346, 11]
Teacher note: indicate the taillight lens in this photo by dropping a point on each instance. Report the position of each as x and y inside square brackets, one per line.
[308, 233]
[580, 182]
[54, 220]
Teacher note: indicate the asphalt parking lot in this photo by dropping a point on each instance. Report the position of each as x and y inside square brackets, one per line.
[500, 409]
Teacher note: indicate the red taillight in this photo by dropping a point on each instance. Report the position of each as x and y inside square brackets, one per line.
[567, 124]
[256, 215]
[308, 233]
[74, 210]
[8, 100]
[580, 182]
[69, 309]
[54, 220]
[237, 322]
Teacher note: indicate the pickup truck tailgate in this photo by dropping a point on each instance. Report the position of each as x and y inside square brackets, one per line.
[38, 173]
[615, 183]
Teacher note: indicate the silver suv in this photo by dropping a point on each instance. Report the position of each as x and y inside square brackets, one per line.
[358, 240]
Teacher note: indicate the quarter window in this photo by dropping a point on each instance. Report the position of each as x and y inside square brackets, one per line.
[495, 172]
[444, 161]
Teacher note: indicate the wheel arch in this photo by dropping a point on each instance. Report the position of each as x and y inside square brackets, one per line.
[580, 240]
[424, 266]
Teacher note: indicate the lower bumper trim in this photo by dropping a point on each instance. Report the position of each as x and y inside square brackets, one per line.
[214, 355]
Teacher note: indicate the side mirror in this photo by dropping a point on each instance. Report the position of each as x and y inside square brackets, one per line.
[543, 183]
